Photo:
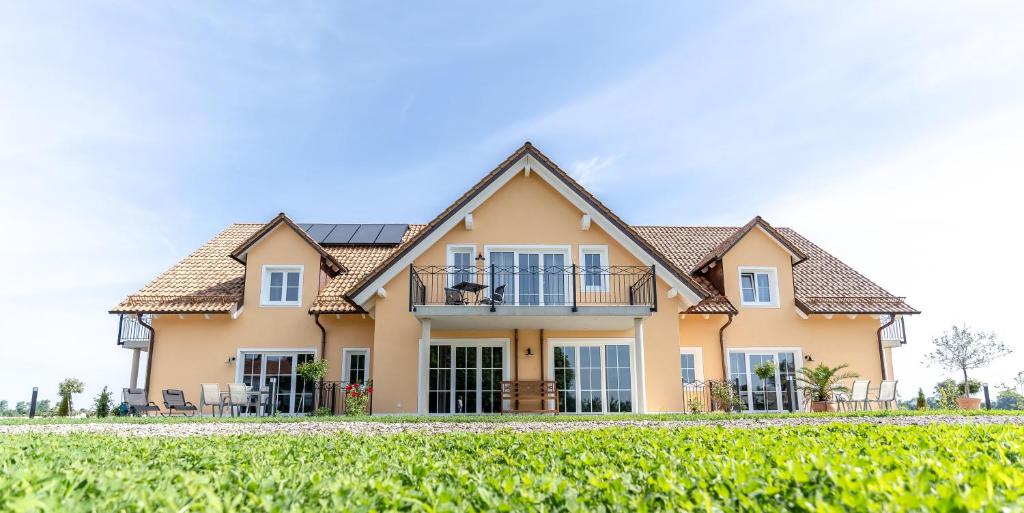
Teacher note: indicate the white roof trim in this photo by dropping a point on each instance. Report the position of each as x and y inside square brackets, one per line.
[538, 168]
[776, 240]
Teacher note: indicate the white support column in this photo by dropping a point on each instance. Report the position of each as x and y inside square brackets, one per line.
[135, 368]
[422, 406]
[641, 378]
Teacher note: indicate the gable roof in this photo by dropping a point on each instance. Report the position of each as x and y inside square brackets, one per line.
[723, 247]
[242, 250]
[822, 283]
[483, 188]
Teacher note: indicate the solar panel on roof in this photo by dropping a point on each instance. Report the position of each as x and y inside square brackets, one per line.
[341, 234]
[305, 227]
[319, 231]
[392, 234]
[366, 234]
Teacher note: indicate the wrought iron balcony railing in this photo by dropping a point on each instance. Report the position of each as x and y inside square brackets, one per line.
[895, 331]
[129, 330]
[498, 286]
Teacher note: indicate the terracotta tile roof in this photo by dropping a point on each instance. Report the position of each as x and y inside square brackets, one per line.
[210, 280]
[723, 247]
[823, 283]
[240, 252]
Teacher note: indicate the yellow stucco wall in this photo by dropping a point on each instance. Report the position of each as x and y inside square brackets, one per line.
[526, 211]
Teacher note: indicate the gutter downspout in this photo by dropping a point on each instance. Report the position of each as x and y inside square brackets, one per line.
[721, 344]
[149, 357]
[323, 336]
[881, 351]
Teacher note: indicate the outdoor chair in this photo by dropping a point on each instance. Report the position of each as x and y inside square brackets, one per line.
[497, 296]
[238, 398]
[858, 395]
[135, 398]
[174, 401]
[453, 297]
[886, 394]
[209, 395]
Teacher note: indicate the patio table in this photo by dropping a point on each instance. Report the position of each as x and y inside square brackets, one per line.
[258, 394]
[468, 287]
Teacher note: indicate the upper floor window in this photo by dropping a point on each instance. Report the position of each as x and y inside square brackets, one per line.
[759, 287]
[594, 260]
[282, 285]
[460, 259]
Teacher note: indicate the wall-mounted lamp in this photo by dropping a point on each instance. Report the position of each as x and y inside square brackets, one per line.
[230, 360]
[529, 351]
[808, 358]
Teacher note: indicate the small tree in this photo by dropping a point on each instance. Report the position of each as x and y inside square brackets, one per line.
[922, 403]
[65, 389]
[103, 403]
[964, 350]
[1019, 381]
[821, 382]
[4, 405]
[1010, 399]
[43, 407]
[21, 408]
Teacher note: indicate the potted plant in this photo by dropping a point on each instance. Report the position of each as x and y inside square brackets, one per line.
[313, 371]
[765, 370]
[963, 349]
[820, 384]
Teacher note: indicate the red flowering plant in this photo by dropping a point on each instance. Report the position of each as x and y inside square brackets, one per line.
[357, 398]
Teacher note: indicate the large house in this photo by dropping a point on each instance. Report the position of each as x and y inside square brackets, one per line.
[525, 278]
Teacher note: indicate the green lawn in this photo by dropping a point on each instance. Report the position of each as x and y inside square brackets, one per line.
[507, 418]
[825, 468]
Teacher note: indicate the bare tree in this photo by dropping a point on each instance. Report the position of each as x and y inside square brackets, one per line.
[964, 349]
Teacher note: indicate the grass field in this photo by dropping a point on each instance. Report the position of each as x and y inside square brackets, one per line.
[822, 468]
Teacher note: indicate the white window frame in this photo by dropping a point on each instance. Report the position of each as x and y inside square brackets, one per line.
[423, 380]
[602, 252]
[540, 250]
[265, 285]
[698, 362]
[346, 364]
[598, 342]
[274, 351]
[450, 252]
[773, 286]
[798, 363]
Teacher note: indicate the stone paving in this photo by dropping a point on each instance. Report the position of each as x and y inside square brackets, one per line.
[328, 427]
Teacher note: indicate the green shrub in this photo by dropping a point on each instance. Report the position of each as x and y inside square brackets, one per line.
[819, 468]
[322, 411]
[922, 403]
[102, 405]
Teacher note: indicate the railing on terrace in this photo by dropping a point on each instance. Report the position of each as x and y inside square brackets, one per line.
[495, 286]
[130, 330]
[895, 331]
[709, 396]
[331, 395]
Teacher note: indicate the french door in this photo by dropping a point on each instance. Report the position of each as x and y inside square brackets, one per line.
[775, 393]
[466, 377]
[593, 377]
[292, 393]
[531, 277]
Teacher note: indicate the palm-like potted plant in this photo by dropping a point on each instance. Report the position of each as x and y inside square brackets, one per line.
[821, 383]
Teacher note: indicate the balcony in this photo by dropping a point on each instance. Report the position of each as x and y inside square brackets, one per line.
[490, 293]
[131, 334]
[895, 334]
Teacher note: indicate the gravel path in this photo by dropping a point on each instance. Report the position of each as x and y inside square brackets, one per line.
[387, 428]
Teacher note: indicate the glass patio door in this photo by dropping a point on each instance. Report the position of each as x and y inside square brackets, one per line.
[293, 394]
[465, 378]
[764, 393]
[593, 378]
[531, 278]
[774, 394]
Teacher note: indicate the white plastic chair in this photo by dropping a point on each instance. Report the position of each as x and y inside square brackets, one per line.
[859, 393]
[238, 397]
[209, 395]
[886, 394]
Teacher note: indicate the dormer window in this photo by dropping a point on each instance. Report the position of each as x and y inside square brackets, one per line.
[759, 287]
[282, 285]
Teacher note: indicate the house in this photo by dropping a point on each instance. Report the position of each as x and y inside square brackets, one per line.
[526, 277]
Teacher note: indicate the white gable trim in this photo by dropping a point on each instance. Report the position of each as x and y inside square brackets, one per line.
[542, 171]
[774, 239]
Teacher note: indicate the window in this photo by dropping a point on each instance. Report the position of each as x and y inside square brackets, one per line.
[465, 377]
[282, 286]
[593, 377]
[530, 275]
[594, 260]
[759, 287]
[691, 365]
[460, 259]
[357, 365]
[777, 393]
[261, 369]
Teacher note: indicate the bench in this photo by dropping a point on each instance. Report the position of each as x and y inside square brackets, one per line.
[537, 395]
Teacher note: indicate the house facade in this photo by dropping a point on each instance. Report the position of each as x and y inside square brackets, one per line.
[525, 278]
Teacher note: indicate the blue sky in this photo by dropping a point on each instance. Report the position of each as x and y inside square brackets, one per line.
[130, 133]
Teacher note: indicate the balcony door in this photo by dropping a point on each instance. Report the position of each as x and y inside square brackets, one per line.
[531, 276]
